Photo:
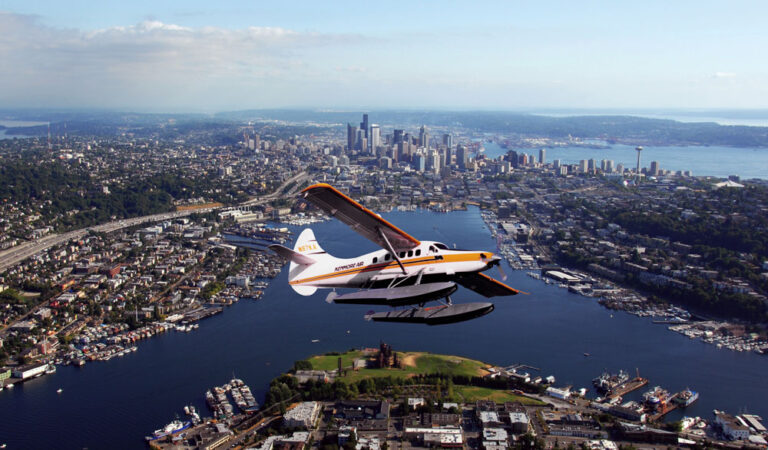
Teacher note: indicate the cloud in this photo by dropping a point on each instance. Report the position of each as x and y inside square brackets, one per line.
[148, 61]
[723, 75]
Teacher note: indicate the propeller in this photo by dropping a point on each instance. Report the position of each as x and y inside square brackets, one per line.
[495, 261]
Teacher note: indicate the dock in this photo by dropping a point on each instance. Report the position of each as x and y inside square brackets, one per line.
[669, 406]
[629, 386]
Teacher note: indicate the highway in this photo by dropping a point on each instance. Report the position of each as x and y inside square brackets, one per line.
[18, 253]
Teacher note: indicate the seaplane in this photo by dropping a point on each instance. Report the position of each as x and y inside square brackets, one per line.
[404, 272]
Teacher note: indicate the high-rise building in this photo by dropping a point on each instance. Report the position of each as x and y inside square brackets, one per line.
[512, 157]
[364, 125]
[543, 156]
[375, 137]
[419, 162]
[620, 168]
[591, 165]
[583, 166]
[556, 164]
[655, 168]
[609, 166]
[448, 140]
[398, 136]
[461, 157]
[351, 136]
[423, 137]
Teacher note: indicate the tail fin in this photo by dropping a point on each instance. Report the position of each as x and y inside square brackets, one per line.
[306, 248]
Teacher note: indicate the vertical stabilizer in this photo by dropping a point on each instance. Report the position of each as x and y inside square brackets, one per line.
[306, 245]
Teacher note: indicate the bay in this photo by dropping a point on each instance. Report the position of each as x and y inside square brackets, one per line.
[701, 161]
[114, 404]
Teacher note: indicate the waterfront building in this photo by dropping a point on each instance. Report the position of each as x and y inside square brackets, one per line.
[591, 165]
[543, 156]
[303, 415]
[583, 166]
[556, 164]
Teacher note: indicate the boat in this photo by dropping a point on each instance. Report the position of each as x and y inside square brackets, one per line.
[50, 369]
[59, 390]
[315, 341]
[686, 397]
[172, 428]
[606, 382]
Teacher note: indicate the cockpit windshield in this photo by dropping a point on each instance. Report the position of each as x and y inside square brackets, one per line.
[441, 246]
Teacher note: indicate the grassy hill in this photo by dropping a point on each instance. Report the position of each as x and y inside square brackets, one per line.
[420, 363]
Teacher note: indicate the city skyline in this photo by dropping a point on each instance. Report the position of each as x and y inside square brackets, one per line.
[194, 57]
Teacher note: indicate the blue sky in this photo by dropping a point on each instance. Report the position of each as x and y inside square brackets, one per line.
[212, 56]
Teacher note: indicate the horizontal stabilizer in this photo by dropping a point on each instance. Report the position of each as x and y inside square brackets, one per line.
[287, 253]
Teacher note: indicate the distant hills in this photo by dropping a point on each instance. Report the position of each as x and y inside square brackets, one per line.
[611, 128]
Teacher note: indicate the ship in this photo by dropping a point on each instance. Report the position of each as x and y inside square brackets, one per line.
[686, 397]
[656, 396]
[607, 381]
[172, 428]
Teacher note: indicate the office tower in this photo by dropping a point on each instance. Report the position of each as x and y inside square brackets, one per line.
[654, 168]
[398, 136]
[423, 137]
[532, 160]
[563, 171]
[620, 168]
[522, 159]
[419, 162]
[446, 157]
[448, 140]
[461, 157]
[351, 136]
[385, 162]
[609, 166]
[592, 165]
[512, 157]
[542, 156]
[583, 166]
[375, 137]
[556, 164]
[364, 125]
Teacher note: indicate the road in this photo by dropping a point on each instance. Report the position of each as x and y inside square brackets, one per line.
[18, 253]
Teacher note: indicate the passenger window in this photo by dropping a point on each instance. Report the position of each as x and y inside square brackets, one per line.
[402, 254]
[418, 252]
[375, 260]
[386, 257]
[410, 253]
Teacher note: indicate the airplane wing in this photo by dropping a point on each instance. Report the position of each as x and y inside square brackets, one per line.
[361, 219]
[485, 285]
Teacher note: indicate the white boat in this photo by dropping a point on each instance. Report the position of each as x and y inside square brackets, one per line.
[59, 390]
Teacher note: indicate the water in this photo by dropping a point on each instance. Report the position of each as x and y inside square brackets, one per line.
[17, 123]
[701, 161]
[114, 404]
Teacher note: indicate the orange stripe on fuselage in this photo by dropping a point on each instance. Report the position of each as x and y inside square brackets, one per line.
[459, 257]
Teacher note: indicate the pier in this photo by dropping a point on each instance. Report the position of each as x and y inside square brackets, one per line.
[629, 386]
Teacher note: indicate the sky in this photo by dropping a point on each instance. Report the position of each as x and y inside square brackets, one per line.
[205, 56]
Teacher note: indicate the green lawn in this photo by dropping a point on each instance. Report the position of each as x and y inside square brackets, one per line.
[330, 362]
[472, 393]
[414, 363]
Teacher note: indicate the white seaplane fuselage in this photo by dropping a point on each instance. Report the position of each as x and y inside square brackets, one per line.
[428, 261]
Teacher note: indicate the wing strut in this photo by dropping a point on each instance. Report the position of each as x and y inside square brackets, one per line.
[391, 249]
